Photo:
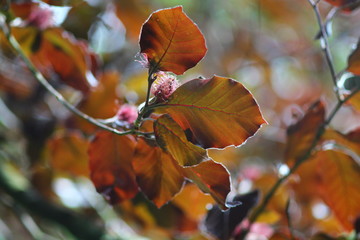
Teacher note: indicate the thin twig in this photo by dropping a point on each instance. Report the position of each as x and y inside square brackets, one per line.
[40, 78]
[326, 47]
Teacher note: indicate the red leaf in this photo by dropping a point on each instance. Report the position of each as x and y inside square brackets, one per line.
[351, 4]
[302, 134]
[212, 178]
[171, 138]
[157, 173]
[339, 178]
[111, 169]
[171, 41]
[68, 153]
[218, 112]
[56, 51]
[354, 61]
[350, 140]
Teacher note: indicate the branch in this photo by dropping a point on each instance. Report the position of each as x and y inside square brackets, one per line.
[325, 47]
[40, 78]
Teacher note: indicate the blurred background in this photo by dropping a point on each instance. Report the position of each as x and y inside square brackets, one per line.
[269, 46]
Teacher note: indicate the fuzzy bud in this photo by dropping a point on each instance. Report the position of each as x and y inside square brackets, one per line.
[164, 85]
[40, 17]
[127, 113]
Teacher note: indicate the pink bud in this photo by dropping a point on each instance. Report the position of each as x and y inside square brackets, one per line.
[164, 85]
[40, 17]
[127, 113]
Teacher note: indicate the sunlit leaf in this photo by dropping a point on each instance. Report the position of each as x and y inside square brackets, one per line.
[56, 51]
[172, 41]
[212, 178]
[339, 177]
[171, 138]
[68, 153]
[347, 5]
[351, 140]
[191, 194]
[216, 112]
[157, 173]
[101, 102]
[302, 134]
[354, 61]
[111, 169]
[324, 236]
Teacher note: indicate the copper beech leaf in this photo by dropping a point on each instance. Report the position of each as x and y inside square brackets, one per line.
[301, 135]
[212, 178]
[172, 41]
[111, 169]
[172, 139]
[157, 173]
[57, 51]
[354, 61]
[216, 112]
[350, 140]
[68, 153]
[339, 178]
[347, 5]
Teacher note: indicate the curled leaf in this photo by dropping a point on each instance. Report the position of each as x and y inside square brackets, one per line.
[171, 138]
[216, 112]
[172, 41]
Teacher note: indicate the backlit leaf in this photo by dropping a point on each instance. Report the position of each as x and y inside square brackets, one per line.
[301, 135]
[157, 173]
[351, 140]
[172, 139]
[212, 178]
[111, 169]
[339, 178]
[68, 153]
[216, 112]
[349, 5]
[354, 61]
[56, 51]
[172, 41]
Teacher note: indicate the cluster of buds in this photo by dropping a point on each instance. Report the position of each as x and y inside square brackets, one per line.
[164, 85]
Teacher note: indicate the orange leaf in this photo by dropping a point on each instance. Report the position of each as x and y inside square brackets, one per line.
[354, 61]
[350, 140]
[157, 173]
[111, 170]
[212, 178]
[171, 138]
[217, 112]
[352, 5]
[68, 153]
[301, 135]
[56, 51]
[339, 178]
[172, 41]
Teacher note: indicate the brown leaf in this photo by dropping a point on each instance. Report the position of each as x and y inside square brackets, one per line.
[172, 41]
[216, 112]
[354, 61]
[212, 178]
[351, 4]
[57, 51]
[157, 173]
[351, 140]
[172, 139]
[111, 169]
[301, 135]
[339, 178]
[68, 153]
